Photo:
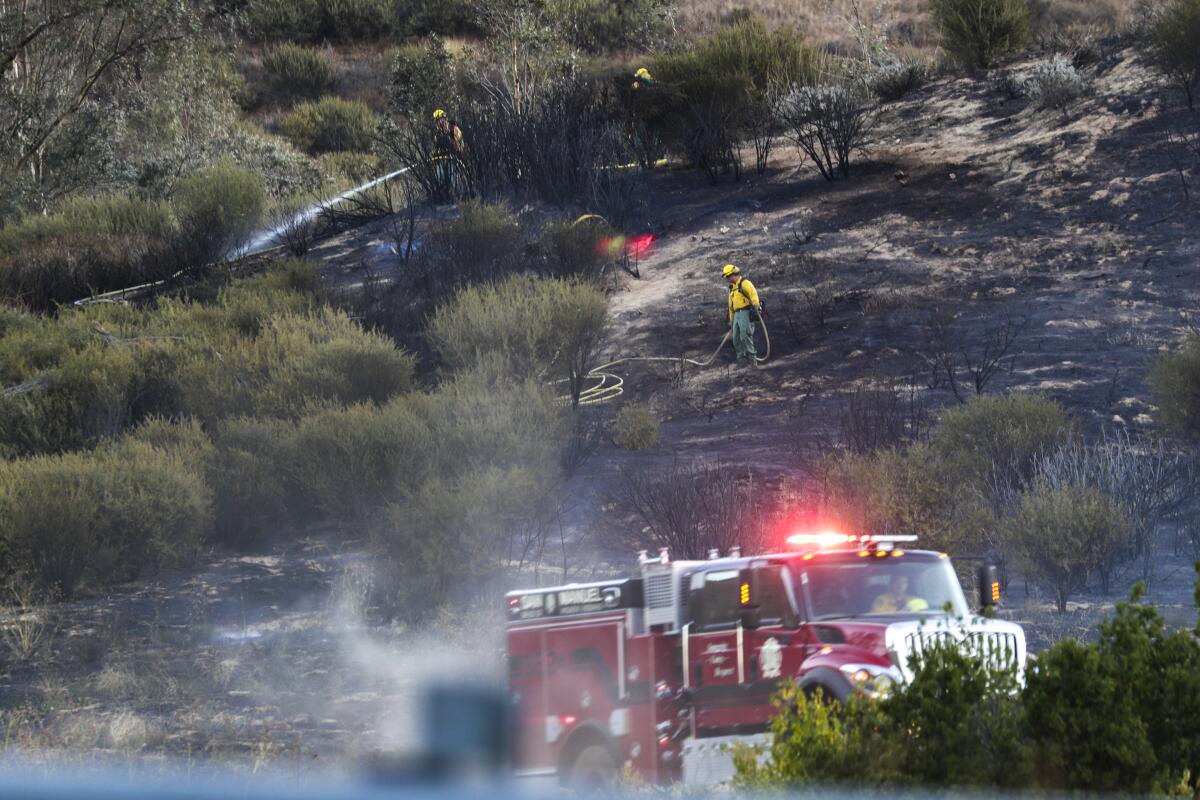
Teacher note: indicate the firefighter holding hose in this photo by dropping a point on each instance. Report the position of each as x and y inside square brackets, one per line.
[448, 150]
[744, 306]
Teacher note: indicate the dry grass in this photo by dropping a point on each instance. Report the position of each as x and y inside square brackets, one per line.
[833, 23]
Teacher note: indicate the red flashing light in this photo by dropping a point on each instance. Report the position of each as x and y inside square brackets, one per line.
[567, 720]
[821, 539]
[663, 741]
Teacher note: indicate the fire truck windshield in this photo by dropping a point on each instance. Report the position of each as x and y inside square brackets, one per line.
[857, 587]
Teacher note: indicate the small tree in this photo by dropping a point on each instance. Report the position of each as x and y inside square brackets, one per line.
[828, 123]
[978, 33]
[1062, 534]
[1175, 383]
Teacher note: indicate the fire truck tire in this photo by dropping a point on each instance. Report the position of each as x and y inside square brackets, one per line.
[595, 767]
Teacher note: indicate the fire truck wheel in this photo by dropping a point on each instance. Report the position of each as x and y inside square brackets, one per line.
[594, 767]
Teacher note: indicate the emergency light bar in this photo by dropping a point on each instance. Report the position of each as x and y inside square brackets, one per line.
[831, 539]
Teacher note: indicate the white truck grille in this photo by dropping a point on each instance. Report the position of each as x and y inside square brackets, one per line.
[1001, 645]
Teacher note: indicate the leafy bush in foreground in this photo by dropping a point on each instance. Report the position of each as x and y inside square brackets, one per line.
[218, 208]
[1121, 714]
[978, 33]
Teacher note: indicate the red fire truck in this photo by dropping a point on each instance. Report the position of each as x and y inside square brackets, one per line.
[658, 673]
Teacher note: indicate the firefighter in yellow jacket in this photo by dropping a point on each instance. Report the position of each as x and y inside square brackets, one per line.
[744, 306]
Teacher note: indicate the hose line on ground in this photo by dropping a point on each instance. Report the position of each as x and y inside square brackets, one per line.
[608, 385]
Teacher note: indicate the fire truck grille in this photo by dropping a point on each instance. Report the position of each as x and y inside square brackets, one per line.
[658, 591]
[998, 650]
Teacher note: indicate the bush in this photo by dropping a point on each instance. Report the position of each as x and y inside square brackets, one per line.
[828, 123]
[489, 500]
[1121, 714]
[351, 168]
[894, 79]
[567, 250]
[317, 20]
[957, 723]
[707, 99]
[296, 71]
[1175, 384]
[93, 244]
[250, 493]
[432, 17]
[106, 516]
[600, 26]
[330, 124]
[218, 208]
[978, 33]
[343, 465]
[636, 428]
[483, 243]
[1054, 83]
[549, 329]
[994, 442]
[1062, 534]
[1175, 44]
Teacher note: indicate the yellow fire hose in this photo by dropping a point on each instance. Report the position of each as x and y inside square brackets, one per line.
[608, 385]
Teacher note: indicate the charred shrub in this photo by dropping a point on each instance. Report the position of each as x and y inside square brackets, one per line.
[828, 123]
[978, 33]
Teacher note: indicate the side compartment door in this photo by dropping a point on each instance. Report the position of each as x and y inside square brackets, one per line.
[714, 672]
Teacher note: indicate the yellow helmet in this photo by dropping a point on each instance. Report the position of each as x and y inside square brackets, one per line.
[643, 73]
[438, 114]
[730, 269]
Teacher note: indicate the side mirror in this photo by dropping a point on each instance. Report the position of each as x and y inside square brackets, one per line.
[749, 618]
[989, 586]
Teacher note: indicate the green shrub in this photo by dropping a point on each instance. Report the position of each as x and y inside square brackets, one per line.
[600, 26]
[317, 20]
[1000, 438]
[296, 361]
[446, 17]
[93, 244]
[548, 328]
[105, 516]
[422, 79]
[978, 33]
[1175, 44]
[812, 742]
[483, 243]
[351, 168]
[636, 428]
[249, 489]
[957, 723]
[1175, 384]
[707, 99]
[569, 250]
[330, 125]
[343, 465]
[1121, 714]
[218, 208]
[295, 71]
[1062, 534]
